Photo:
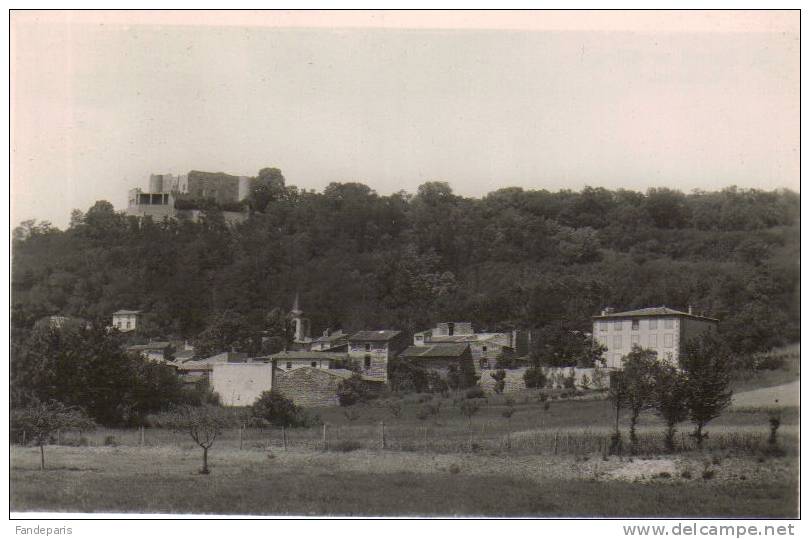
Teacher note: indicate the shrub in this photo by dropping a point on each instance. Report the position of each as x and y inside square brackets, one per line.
[534, 377]
[276, 409]
[353, 390]
[686, 474]
[454, 468]
[707, 474]
[500, 380]
[475, 393]
[110, 440]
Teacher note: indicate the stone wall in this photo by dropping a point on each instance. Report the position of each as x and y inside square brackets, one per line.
[555, 377]
[308, 386]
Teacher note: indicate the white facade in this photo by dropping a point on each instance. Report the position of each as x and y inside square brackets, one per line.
[661, 334]
[125, 320]
[240, 384]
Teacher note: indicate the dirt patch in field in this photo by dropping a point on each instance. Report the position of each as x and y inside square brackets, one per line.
[644, 469]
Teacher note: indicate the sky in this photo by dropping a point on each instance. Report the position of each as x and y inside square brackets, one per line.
[540, 100]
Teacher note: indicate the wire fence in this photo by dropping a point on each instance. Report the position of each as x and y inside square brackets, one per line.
[454, 438]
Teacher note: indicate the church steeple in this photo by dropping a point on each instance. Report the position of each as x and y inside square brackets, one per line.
[300, 323]
[296, 310]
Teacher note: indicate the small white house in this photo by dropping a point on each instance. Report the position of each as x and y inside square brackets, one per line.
[126, 320]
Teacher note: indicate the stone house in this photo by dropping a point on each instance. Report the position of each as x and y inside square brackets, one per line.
[441, 357]
[485, 347]
[372, 351]
[661, 329]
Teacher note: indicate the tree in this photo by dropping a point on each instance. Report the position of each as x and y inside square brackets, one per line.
[500, 380]
[617, 394]
[638, 369]
[670, 399]
[203, 423]
[353, 390]
[276, 409]
[534, 377]
[706, 362]
[40, 420]
[267, 187]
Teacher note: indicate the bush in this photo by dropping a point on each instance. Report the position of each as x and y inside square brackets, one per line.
[110, 440]
[276, 409]
[353, 390]
[500, 380]
[345, 446]
[475, 393]
[534, 377]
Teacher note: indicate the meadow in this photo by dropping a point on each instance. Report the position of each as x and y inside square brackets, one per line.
[390, 457]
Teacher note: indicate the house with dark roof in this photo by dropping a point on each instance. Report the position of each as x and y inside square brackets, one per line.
[485, 347]
[661, 329]
[336, 341]
[372, 351]
[442, 358]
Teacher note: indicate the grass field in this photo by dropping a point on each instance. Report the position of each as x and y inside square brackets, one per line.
[536, 463]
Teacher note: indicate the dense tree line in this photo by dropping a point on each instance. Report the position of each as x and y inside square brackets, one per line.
[514, 258]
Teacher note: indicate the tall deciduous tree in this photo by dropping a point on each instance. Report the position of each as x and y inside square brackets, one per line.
[706, 362]
[670, 399]
[638, 368]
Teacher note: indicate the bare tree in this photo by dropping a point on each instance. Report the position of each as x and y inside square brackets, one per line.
[203, 423]
[41, 420]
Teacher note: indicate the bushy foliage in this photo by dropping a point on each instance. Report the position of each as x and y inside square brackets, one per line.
[84, 365]
[273, 408]
[354, 390]
[500, 380]
[534, 377]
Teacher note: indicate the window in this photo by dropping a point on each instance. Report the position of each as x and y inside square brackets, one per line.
[367, 361]
[617, 324]
[603, 326]
[668, 340]
[314, 364]
[653, 324]
[634, 325]
[368, 346]
[634, 339]
[617, 360]
[289, 365]
[484, 351]
[617, 341]
[484, 363]
[653, 340]
[128, 322]
[451, 328]
[669, 323]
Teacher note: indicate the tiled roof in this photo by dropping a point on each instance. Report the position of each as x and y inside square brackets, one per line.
[452, 338]
[382, 335]
[304, 354]
[435, 350]
[653, 311]
[157, 345]
[332, 337]
[123, 311]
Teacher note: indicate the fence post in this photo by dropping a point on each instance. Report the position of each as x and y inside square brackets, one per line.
[556, 441]
[58, 436]
[241, 428]
[424, 432]
[382, 434]
[142, 436]
[284, 437]
[23, 441]
[324, 437]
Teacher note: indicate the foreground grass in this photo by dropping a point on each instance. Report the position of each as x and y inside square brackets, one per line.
[159, 480]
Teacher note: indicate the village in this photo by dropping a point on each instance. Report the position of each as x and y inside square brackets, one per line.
[310, 369]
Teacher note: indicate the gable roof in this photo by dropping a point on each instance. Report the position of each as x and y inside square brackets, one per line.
[654, 311]
[337, 335]
[382, 335]
[304, 354]
[435, 350]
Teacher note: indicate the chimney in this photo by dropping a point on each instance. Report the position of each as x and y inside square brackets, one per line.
[690, 309]
[326, 332]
